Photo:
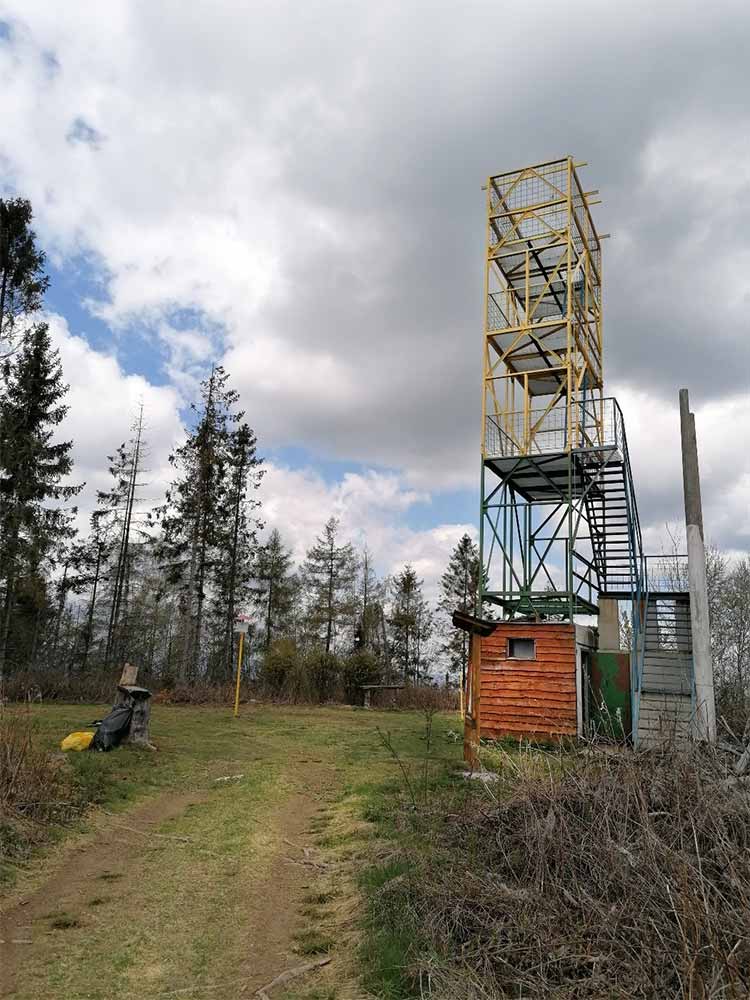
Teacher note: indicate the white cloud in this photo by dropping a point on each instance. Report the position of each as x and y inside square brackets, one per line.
[369, 507]
[103, 402]
[304, 179]
[653, 429]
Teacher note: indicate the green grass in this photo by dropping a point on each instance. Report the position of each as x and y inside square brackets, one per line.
[402, 816]
[191, 926]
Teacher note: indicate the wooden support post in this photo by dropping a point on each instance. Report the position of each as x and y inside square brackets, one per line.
[472, 714]
[705, 707]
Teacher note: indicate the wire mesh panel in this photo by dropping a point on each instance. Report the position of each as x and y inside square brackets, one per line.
[543, 312]
[543, 430]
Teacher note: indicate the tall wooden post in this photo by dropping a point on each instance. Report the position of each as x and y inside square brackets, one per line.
[477, 628]
[472, 708]
[705, 708]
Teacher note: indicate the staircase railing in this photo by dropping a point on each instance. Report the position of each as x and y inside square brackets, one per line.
[639, 576]
[669, 574]
[664, 574]
[544, 430]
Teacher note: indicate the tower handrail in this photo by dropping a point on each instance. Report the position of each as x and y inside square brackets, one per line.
[671, 575]
[639, 574]
[543, 430]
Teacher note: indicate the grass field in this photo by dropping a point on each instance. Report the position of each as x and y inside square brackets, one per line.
[237, 851]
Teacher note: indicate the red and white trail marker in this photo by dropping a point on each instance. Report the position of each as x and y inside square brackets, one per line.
[242, 624]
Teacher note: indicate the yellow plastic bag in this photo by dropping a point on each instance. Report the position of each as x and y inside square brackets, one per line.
[77, 741]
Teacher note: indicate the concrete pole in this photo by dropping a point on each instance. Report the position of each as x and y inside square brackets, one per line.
[705, 709]
[609, 623]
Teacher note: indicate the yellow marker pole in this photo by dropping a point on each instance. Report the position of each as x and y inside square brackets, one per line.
[239, 673]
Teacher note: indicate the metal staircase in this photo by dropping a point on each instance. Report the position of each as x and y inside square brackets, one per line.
[662, 678]
[576, 505]
[612, 513]
[584, 502]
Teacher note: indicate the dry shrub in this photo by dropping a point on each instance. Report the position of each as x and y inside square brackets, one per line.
[202, 693]
[412, 697]
[37, 790]
[101, 687]
[55, 685]
[608, 876]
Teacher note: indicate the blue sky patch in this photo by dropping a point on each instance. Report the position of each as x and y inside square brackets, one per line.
[81, 132]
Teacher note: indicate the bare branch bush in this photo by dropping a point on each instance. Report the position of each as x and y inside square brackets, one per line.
[598, 875]
[36, 789]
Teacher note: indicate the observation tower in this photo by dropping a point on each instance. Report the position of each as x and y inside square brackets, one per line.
[560, 536]
[559, 525]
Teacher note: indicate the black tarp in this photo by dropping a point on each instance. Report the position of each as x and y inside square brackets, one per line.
[113, 729]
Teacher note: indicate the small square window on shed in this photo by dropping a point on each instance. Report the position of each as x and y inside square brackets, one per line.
[521, 649]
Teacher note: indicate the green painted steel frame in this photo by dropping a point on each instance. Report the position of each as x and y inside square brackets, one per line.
[515, 520]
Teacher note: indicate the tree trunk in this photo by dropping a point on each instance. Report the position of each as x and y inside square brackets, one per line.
[10, 596]
[90, 617]
[270, 606]
[60, 609]
[329, 624]
[122, 559]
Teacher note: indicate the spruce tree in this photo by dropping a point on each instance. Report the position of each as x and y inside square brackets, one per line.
[276, 603]
[368, 598]
[22, 278]
[458, 587]
[329, 575]
[33, 468]
[233, 569]
[118, 521]
[207, 534]
[410, 624]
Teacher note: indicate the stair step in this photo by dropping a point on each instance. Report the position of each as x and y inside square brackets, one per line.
[659, 708]
[663, 718]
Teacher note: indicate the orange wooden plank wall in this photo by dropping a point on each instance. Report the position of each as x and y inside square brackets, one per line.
[535, 698]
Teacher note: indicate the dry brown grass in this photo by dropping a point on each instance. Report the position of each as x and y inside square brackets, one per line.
[37, 791]
[418, 698]
[598, 876]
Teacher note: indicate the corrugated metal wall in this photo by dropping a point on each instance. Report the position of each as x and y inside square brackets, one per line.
[535, 698]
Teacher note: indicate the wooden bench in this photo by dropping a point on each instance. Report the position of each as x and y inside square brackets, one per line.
[367, 690]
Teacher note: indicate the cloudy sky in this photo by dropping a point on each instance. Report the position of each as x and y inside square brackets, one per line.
[295, 189]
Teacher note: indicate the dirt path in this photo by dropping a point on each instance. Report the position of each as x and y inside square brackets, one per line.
[102, 872]
[243, 863]
[276, 899]
[81, 870]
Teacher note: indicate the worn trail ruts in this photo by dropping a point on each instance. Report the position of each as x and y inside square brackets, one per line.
[272, 901]
[106, 857]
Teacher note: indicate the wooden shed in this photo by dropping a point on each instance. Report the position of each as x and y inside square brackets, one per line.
[531, 680]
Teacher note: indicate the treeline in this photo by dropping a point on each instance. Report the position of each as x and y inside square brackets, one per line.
[729, 608]
[160, 583]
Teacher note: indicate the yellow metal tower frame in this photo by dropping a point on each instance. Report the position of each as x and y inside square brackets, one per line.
[543, 377]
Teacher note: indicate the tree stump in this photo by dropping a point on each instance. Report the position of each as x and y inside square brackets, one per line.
[139, 700]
